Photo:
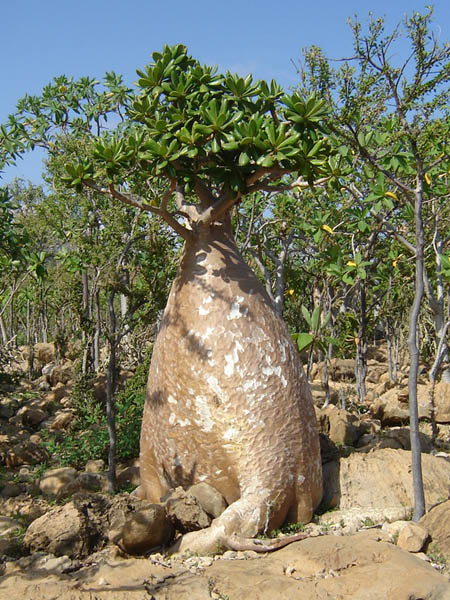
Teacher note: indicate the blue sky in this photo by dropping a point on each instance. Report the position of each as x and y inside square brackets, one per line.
[47, 38]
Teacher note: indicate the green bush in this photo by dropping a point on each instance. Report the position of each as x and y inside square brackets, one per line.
[87, 437]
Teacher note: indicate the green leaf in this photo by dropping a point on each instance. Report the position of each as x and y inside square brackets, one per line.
[315, 319]
[304, 340]
[306, 315]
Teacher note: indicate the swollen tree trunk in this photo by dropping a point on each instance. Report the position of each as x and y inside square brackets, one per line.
[419, 498]
[227, 401]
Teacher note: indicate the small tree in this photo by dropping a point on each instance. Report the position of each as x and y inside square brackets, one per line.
[390, 115]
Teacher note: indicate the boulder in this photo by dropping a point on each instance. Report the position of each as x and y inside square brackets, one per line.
[412, 537]
[391, 407]
[437, 523]
[441, 400]
[120, 509]
[129, 476]
[185, 511]
[44, 353]
[354, 567]
[146, 529]
[210, 500]
[95, 466]
[59, 482]
[378, 485]
[26, 453]
[62, 420]
[32, 416]
[61, 531]
[342, 427]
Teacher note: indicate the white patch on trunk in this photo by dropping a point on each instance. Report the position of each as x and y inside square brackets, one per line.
[171, 400]
[231, 434]
[204, 421]
[232, 359]
[282, 346]
[268, 371]
[207, 300]
[202, 311]
[174, 421]
[251, 384]
[215, 387]
[235, 312]
[207, 334]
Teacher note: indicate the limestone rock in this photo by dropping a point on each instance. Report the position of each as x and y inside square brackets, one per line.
[62, 420]
[121, 507]
[341, 426]
[59, 392]
[146, 529]
[209, 499]
[61, 531]
[441, 400]
[392, 407]
[378, 484]
[337, 568]
[8, 526]
[437, 522]
[185, 512]
[128, 476]
[44, 353]
[95, 466]
[58, 482]
[26, 453]
[392, 529]
[412, 537]
[32, 416]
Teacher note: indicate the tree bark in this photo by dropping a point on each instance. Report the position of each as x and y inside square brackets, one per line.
[416, 458]
[227, 402]
[111, 381]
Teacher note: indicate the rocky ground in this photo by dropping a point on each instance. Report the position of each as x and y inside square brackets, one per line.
[63, 536]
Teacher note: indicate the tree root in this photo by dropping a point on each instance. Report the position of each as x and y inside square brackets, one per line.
[235, 542]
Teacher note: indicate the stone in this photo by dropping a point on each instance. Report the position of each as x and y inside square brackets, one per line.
[61, 374]
[44, 353]
[341, 426]
[378, 485]
[95, 466]
[58, 482]
[185, 512]
[8, 526]
[437, 523]
[121, 507]
[32, 416]
[412, 537]
[92, 482]
[441, 400]
[209, 499]
[59, 392]
[393, 528]
[62, 420]
[129, 476]
[146, 529]
[392, 407]
[10, 489]
[26, 453]
[61, 531]
[336, 568]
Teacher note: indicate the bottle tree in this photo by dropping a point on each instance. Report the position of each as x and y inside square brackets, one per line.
[227, 402]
